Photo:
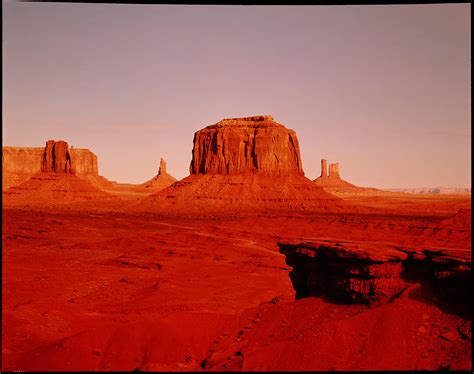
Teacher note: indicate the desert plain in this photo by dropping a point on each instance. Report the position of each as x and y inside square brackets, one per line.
[245, 264]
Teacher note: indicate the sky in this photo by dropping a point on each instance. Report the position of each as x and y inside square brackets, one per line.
[384, 90]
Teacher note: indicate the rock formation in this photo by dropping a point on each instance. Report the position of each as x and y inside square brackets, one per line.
[21, 163]
[56, 158]
[162, 169]
[334, 171]
[244, 164]
[333, 183]
[158, 182]
[84, 162]
[374, 273]
[324, 168]
[251, 145]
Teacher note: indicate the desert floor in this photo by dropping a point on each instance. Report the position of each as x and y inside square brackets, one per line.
[99, 289]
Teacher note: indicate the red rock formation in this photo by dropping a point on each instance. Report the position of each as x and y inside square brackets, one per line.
[333, 182]
[162, 169]
[374, 272]
[248, 145]
[324, 168]
[334, 171]
[56, 158]
[243, 164]
[159, 182]
[84, 161]
[19, 164]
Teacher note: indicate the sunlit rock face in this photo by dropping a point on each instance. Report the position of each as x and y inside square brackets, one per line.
[243, 146]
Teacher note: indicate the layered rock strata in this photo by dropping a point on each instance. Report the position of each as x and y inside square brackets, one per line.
[374, 273]
[248, 145]
[21, 163]
[56, 158]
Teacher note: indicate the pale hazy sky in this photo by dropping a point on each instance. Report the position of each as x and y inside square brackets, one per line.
[384, 90]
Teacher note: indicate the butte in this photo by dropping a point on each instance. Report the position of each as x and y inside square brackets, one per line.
[52, 175]
[243, 164]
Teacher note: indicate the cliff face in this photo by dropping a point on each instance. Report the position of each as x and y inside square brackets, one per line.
[251, 145]
[84, 161]
[374, 273]
[21, 163]
[56, 157]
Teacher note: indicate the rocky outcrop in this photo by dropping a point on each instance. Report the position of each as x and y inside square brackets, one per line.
[334, 171]
[21, 163]
[324, 169]
[84, 162]
[159, 182]
[333, 183]
[251, 145]
[56, 158]
[162, 169]
[374, 273]
[244, 164]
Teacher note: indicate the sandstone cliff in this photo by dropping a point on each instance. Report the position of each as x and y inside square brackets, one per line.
[84, 161]
[248, 145]
[374, 273]
[56, 158]
[21, 163]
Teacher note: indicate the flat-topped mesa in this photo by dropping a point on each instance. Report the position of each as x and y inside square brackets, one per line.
[56, 158]
[21, 163]
[244, 146]
[162, 169]
[334, 171]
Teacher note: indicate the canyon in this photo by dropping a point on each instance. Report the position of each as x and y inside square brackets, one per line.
[245, 264]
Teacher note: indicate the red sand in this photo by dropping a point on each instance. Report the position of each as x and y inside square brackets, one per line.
[93, 288]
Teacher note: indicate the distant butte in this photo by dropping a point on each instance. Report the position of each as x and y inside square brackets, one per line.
[242, 146]
[334, 184]
[244, 164]
[21, 163]
[161, 180]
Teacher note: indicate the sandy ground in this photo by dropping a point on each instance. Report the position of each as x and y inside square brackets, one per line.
[96, 288]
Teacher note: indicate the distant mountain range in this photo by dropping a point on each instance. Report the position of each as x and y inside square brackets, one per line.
[435, 190]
